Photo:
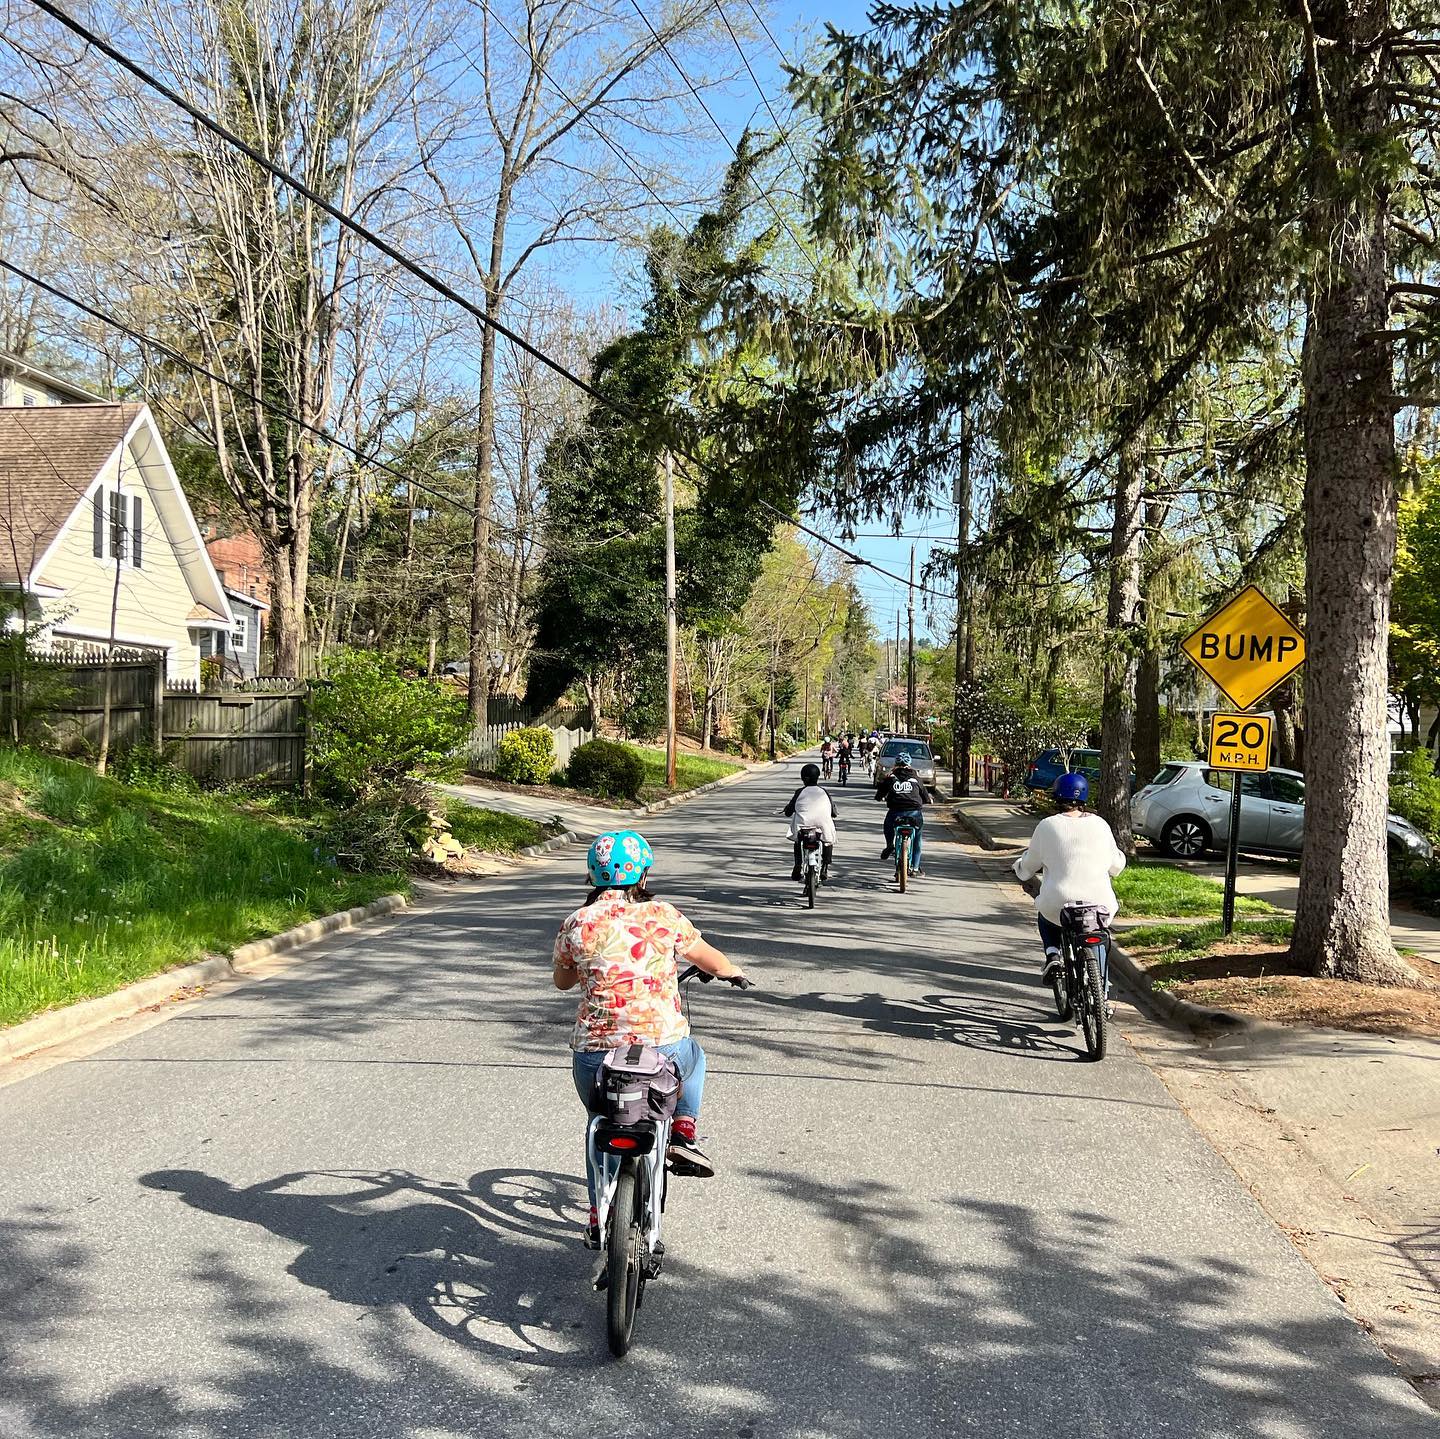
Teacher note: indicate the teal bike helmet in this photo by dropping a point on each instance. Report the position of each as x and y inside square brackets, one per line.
[619, 859]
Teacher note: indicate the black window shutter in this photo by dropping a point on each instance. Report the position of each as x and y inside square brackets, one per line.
[99, 515]
[117, 525]
[136, 526]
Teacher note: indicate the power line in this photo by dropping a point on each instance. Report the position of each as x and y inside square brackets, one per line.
[759, 89]
[719, 128]
[196, 368]
[412, 267]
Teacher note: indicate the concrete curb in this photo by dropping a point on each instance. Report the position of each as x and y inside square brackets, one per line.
[549, 846]
[980, 834]
[1199, 1017]
[75, 1020]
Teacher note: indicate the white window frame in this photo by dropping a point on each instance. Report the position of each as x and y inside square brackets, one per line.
[239, 637]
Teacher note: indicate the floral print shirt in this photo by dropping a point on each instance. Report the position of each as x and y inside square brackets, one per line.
[627, 957]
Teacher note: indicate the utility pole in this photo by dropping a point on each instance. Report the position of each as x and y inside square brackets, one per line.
[895, 674]
[964, 627]
[910, 650]
[670, 636]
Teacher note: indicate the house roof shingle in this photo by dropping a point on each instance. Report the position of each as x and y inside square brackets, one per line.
[49, 455]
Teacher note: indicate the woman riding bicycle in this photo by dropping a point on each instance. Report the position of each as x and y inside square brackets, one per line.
[811, 807]
[1078, 856]
[624, 946]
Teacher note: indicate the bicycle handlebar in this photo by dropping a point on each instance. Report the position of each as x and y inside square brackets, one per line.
[737, 981]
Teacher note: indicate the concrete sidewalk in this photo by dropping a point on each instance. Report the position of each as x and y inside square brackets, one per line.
[1005, 825]
[585, 820]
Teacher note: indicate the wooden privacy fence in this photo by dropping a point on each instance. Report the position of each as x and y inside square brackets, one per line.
[254, 731]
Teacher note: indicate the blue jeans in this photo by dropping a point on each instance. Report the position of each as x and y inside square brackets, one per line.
[1050, 935]
[689, 1060]
[910, 816]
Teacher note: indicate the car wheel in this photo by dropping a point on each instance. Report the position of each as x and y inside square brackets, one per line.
[1185, 837]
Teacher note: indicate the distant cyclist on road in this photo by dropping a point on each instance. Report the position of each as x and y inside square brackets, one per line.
[625, 946]
[1078, 857]
[827, 755]
[904, 796]
[811, 807]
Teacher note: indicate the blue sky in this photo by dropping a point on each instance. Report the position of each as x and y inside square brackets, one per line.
[605, 275]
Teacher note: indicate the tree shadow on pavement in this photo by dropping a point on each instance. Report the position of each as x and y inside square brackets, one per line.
[907, 1314]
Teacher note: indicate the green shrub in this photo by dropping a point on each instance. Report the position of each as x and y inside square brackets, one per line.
[1415, 792]
[142, 768]
[526, 756]
[371, 728]
[750, 730]
[611, 770]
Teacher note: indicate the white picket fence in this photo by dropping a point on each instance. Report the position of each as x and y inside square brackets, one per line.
[485, 741]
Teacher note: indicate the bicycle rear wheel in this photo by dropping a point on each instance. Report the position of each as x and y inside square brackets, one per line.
[1092, 1010]
[810, 886]
[902, 864]
[623, 1264]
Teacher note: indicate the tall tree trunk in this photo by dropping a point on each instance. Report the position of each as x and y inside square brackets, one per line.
[1342, 917]
[1287, 729]
[1122, 608]
[1148, 754]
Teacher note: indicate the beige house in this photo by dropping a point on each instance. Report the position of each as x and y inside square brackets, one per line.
[97, 541]
[23, 384]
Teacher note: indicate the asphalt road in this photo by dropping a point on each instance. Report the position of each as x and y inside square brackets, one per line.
[344, 1201]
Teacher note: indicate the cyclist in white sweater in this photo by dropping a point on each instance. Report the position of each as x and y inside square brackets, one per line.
[1078, 857]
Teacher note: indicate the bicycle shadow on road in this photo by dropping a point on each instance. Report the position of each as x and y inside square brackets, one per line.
[947, 1018]
[492, 1265]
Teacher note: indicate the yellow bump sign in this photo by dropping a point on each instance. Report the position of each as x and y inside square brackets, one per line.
[1246, 648]
[1241, 742]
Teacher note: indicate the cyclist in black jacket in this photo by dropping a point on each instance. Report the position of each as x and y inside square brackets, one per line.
[903, 795]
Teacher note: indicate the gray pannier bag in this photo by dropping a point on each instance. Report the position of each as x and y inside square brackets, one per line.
[1085, 918]
[636, 1083]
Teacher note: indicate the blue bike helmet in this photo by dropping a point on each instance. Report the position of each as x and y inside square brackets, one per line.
[1071, 788]
[619, 859]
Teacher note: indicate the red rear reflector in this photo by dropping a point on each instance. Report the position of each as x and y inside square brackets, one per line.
[1094, 939]
[621, 1141]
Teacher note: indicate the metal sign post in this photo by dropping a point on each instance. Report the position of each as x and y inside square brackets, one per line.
[1232, 858]
[1240, 745]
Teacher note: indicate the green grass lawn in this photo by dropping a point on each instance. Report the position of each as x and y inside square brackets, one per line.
[691, 771]
[102, 884]
[1150, 888]
[491, 829]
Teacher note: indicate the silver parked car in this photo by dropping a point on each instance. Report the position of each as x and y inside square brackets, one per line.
[921, 759]
[1185, 811]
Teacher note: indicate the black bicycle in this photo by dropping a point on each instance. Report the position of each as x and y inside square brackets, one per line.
[907, 832]
[1081, 983]
[844, 769]
[629, 1142]
[812, 859]
[827, 766]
